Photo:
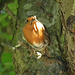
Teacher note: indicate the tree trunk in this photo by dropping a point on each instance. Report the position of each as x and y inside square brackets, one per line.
[48, 12]
[68, 15]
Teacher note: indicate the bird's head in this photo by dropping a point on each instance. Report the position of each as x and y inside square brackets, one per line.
[34, 25]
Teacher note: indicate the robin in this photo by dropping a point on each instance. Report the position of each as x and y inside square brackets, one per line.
[35, 35]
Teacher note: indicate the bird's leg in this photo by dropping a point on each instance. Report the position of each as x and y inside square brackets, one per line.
[45, 52]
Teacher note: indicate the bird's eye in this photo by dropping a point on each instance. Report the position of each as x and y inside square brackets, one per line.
[32, 21]
[27, 20]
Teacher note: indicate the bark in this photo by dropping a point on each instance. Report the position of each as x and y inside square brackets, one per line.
[48, 12]
[68, 15]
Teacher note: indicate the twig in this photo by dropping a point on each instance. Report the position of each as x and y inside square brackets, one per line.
[8, 46]
[22, 44]
[14, 19]
[14, 48]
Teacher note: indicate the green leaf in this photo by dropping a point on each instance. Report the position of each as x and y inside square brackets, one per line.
[6, 57]
[13, 6]
[7, 67]
[12, 73]
[3, 20]
[6, 36]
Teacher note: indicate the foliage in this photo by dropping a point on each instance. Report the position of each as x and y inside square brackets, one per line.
[7, 67]
[6, 64]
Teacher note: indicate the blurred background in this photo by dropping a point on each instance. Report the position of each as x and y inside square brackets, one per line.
[6, 61]
[6, 33]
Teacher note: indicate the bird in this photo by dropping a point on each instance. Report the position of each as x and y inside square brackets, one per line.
[34, 33]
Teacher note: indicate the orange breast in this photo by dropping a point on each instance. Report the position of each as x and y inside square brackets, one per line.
[31, 36]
